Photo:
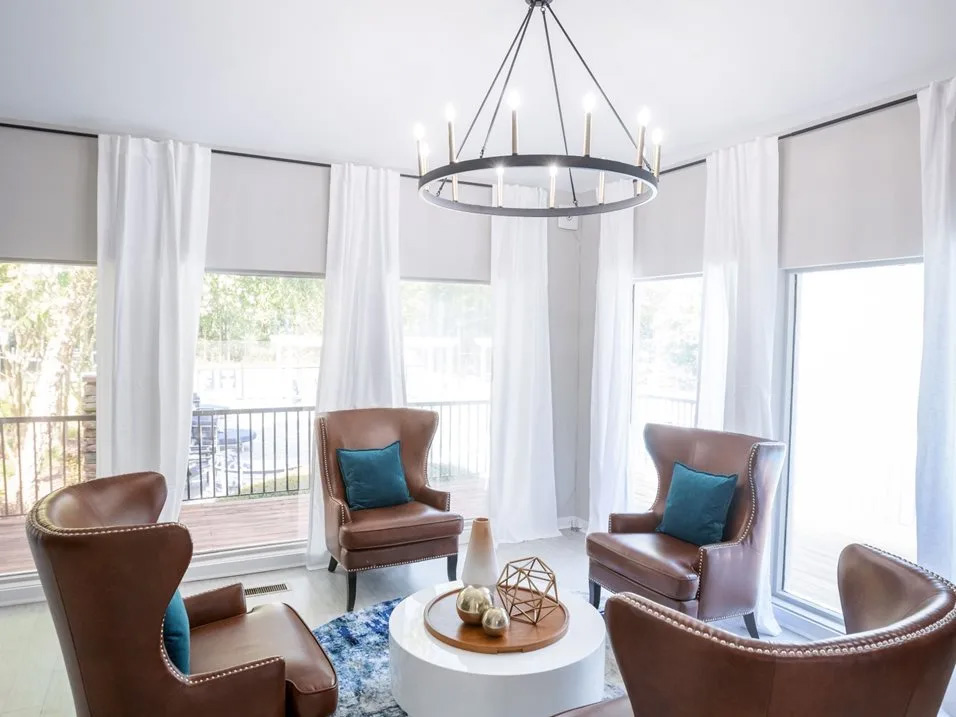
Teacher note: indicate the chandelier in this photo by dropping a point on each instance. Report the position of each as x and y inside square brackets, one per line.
[433, 185]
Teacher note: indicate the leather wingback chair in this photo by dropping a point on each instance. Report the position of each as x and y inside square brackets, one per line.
[709, 582]
[423, 529]
[109, 570]
[895, 661]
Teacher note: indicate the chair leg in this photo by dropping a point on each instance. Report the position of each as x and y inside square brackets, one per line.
[453, 567]
[751, 622]
[333, 564]
[350, 600]
[595, 591]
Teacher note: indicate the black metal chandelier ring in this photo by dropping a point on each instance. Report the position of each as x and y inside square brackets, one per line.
[644, 180]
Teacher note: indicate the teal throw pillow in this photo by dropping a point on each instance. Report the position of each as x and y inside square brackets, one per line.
[697, 505]
[176, 633]
[373, 477]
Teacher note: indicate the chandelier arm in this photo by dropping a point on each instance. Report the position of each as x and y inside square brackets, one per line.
[596, 83]
[504, 87]
[484, 101]
[557, 97]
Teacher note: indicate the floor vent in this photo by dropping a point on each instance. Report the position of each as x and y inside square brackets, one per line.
[266, 589]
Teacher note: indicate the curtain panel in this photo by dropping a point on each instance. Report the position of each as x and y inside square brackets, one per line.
[362, 363]
[739, 308]
[152, 220]
[611, 366]
[521, 489]
[936, 415]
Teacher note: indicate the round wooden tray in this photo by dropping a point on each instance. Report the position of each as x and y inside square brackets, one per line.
[443, 623]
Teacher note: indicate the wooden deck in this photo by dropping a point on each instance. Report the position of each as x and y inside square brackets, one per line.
[233, 523]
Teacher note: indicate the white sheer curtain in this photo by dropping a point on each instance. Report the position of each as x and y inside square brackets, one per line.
[152, 219]
[361, 363]
[521, 490]
[741, 284]
[611, 368]
[936, 418]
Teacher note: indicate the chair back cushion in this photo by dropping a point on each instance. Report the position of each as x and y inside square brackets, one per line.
[373, 477]
[697, 505]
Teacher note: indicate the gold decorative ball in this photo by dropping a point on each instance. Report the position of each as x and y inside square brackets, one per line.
[495, 621]
[472, 603]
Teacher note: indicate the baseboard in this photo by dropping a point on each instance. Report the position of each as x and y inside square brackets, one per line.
[571, 522]
[242, 561]
[803, 622]
[20, 588]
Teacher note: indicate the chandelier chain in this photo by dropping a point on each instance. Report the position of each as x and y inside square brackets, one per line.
[557, 97]
[484, 101]
[504, 87]
[593, 78]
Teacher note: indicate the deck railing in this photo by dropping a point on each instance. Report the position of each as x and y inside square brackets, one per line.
[234, 452]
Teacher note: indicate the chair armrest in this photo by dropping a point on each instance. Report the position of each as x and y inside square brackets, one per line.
[337, 510]
[212, 605]
[658, 648]
[729, 579]
[255, 689]
[437, 499]
[633, 522]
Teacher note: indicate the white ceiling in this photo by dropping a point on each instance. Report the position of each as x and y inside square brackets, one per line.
[346, 80]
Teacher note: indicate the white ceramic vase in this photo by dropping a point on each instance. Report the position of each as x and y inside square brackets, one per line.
[481, 561]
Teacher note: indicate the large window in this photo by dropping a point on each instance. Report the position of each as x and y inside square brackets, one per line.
[447, 336]
[856, 364]
[257, 366]
[664, 376]
[47, 439]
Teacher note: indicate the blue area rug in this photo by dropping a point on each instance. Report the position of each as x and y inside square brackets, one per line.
[357, 645]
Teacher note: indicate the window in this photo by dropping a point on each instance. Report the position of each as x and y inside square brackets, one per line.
[47, 439]
[447, 337]
[664, 375]
[257, 367]
[856, 363]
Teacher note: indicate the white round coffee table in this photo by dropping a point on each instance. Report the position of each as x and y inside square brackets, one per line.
[432, 679]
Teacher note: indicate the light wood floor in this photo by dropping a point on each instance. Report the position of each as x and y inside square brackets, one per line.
[33, 680]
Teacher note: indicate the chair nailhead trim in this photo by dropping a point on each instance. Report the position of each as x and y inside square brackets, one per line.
[403, 562]
[848, 645]
[746, 531]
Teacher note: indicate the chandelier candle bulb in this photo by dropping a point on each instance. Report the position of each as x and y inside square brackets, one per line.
[425, 152]
[454, 188]
[419, 131]
[657, 138]
[450, 116]
[588, 111]
[554, 178]
[514, 100]
[600, 193]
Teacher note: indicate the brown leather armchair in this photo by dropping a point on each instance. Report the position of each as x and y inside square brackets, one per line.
[109, 570]
[895, 661]
[423, 529]
[709, 582]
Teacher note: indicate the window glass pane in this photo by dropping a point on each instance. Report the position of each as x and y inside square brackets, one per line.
[447, 337]
[664, 378]
[856, 368]
[47, 429]
[257, 366]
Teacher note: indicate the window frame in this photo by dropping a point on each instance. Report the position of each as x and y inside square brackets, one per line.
[817, 615]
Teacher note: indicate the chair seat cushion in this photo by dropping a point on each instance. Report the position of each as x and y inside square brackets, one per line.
[271, 631]
[398, 525]
[660, 562]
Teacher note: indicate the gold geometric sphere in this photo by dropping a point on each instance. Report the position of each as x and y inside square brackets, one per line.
[528, 590]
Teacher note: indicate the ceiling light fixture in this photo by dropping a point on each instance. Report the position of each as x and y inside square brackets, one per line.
[431, 184]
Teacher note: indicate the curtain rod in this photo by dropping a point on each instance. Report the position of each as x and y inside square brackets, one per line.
[249, 155]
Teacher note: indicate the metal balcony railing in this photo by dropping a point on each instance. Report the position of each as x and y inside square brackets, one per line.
[233, 453]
